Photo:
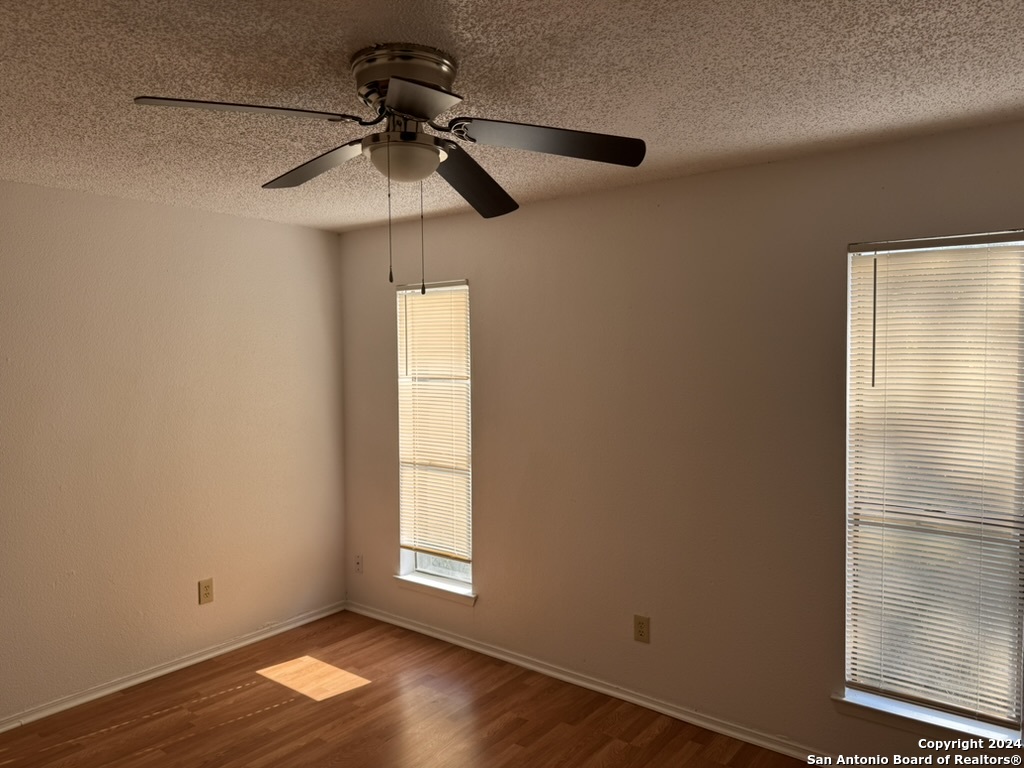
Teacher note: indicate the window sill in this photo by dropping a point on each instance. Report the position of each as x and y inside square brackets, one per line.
[883, 705]
[438, 587]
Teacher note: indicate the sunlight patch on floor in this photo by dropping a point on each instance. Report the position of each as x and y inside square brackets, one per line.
[313, 678]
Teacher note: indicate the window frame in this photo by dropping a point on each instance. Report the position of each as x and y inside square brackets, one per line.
[412, 572]
[887, 701]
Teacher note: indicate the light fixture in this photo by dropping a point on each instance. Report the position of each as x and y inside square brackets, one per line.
[404, 155]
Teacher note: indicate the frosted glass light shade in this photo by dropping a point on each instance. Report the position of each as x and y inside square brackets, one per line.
[408, 161]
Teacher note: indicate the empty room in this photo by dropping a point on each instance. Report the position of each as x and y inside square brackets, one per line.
[478, 384]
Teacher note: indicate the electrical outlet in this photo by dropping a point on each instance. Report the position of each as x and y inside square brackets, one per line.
[359, 563]
[642, 629]
[205, 591]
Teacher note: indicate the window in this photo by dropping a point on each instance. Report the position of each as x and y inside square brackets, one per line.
[435, 447]
[935, 442]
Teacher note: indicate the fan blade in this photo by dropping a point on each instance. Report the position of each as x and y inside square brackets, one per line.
[416, 100]
[313, 168]
[157, 101]
[475, 184]
[601, 147]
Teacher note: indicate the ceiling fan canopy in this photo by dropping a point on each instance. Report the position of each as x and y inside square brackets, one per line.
[408, 86]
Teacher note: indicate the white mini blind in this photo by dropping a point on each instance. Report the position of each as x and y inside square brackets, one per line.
[935, 585]
[434, 407]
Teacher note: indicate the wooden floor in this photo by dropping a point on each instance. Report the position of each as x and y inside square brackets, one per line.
[428, 705]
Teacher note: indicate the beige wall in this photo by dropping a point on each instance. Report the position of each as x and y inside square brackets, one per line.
[659, 422]
[169, 411]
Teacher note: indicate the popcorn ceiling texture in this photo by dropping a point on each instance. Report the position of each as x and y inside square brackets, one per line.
[708, 84]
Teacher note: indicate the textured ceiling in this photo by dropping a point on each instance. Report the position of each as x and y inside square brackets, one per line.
[706, 83]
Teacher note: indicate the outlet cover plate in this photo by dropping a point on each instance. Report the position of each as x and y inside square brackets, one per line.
[205, 591]
[642, 628]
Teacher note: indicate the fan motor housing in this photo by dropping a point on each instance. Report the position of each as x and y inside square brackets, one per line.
[373, 67]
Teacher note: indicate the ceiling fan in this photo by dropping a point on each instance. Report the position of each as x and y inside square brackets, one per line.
[407, 86]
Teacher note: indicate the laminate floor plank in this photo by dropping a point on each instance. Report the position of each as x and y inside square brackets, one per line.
[428, 704]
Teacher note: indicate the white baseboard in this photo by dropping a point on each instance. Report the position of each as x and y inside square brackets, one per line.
[774, 743]
[120, 684]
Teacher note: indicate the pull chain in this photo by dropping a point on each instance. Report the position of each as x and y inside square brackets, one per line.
[391, 268]
[423, 273]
